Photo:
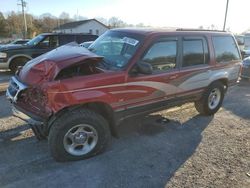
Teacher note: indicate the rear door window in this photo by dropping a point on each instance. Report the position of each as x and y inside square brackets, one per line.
[225, 49]
[195, 52]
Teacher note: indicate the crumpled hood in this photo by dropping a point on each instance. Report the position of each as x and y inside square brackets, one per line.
[47, 66]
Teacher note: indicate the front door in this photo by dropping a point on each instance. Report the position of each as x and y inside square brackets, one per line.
[47, 44]
[141, 89]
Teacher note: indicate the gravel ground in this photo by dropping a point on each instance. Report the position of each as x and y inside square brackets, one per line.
[183, 150]
[4, 80]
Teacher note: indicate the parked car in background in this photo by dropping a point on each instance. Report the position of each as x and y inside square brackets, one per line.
[76, 96]
[11, 57]
[16, 42]
[20, 41]
[240, 41]
[245, 72]
[246, 50]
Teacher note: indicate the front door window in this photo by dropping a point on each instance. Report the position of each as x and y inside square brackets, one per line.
[162, 56]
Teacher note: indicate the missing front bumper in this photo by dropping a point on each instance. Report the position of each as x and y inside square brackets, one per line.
[37, 126]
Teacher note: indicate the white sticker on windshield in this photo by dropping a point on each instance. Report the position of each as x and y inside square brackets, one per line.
[130, 41]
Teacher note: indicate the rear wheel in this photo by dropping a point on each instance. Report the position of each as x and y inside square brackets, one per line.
[211, 100]
[78, 134]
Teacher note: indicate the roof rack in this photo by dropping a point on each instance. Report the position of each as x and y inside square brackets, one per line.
[183, 29]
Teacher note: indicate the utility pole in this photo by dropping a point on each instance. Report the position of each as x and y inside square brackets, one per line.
[225, 20]
[23, 4]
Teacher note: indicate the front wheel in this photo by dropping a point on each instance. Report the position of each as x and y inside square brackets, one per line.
[211, 100]
[17, 62]
[78, 134]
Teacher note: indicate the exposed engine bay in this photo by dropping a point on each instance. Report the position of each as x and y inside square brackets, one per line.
[79, 69]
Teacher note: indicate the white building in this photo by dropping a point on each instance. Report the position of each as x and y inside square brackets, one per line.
[91, 26]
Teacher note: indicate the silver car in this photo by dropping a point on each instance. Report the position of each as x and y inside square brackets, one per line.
[245, 73]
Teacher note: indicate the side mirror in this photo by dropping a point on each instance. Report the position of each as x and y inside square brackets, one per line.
[142, 68]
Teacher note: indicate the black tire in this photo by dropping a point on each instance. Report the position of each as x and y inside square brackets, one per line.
[15, 63]
[62, 125]
[202, 105]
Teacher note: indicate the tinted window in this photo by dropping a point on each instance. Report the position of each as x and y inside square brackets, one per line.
[85, 38]
[53, 41]
[36, 40]
[50, 41]
[195, 52]
[225, 49]
[247, 42]
[64, 39]
[162, 55]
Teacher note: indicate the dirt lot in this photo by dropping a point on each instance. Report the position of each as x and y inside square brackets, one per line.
[188, 151]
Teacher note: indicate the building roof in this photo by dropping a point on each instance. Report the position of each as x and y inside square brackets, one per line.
[72, 25]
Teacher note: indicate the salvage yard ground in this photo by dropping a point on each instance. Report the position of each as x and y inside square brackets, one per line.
[4, 79]
[188, 151]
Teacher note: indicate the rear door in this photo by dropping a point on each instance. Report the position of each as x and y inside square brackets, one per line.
[194, 66]
[143, 90]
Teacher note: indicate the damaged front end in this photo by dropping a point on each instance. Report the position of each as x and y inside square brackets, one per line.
[28, 104]
[28, 89]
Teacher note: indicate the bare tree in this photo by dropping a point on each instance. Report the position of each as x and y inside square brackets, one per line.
[77, 17]
[3, 25]
[201, 27]
[115, 22]
[64, 17]
[15, 23]
[102, 20]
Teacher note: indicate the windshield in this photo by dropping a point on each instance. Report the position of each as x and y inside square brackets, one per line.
[35, 40]
[116, 47]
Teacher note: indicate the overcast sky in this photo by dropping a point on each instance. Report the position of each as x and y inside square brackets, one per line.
[162, 13]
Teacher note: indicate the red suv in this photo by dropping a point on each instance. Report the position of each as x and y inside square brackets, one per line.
[76, 96]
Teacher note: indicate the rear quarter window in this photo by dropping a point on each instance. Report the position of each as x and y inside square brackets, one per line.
[225, 48]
